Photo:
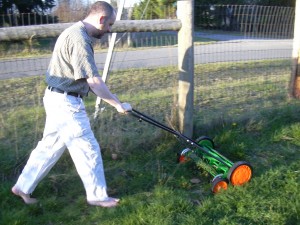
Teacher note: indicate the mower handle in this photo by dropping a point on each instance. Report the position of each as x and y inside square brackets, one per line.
[150, 120]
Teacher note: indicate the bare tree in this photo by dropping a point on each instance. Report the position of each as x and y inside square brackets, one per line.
[70, 10]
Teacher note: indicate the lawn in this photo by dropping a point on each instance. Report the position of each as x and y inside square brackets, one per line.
[243, 107]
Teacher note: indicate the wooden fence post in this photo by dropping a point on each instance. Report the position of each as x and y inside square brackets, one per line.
[185, 12]
[295, 76]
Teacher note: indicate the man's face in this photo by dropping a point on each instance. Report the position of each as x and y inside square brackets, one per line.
[104, 26]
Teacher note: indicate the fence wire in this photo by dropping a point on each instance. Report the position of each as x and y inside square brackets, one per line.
[249, 20]
[236, 77]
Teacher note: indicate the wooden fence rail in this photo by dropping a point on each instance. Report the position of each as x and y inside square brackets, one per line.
[53, 30]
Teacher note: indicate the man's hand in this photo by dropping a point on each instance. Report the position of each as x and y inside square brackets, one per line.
[124, 107]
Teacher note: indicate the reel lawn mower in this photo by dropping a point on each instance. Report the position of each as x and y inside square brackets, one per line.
[202, 152]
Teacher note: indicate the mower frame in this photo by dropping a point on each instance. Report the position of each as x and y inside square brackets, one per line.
[202, 152]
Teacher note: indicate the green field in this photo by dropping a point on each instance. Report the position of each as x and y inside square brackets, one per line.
[243, 106]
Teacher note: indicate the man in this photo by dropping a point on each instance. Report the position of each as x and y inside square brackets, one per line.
[71, 74]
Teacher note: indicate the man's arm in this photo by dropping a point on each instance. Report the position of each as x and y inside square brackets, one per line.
[101, 90]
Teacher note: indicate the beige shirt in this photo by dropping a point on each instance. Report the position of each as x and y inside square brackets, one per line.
[72, 61]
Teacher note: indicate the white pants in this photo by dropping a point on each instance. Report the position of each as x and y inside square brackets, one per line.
[67, 126]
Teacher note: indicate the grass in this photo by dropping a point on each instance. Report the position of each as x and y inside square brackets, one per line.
[242, 106]
[44, 46]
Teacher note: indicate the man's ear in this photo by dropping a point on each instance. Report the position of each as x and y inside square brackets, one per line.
[102, 19]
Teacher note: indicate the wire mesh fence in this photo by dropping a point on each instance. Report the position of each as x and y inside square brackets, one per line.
[236, 77]
[249, 20]
[26, 19]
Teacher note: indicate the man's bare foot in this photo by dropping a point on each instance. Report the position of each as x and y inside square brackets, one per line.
[108, 203]
[26, 197]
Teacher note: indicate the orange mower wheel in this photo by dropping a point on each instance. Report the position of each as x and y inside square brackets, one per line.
[219, 184]
[240, 173]
[182, 159]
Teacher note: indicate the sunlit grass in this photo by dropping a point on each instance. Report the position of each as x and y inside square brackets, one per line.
[244, 109]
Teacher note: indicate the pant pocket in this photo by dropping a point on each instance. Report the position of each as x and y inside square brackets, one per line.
[77, 122]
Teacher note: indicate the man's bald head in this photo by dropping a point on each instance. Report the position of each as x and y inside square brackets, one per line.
[103, 8]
